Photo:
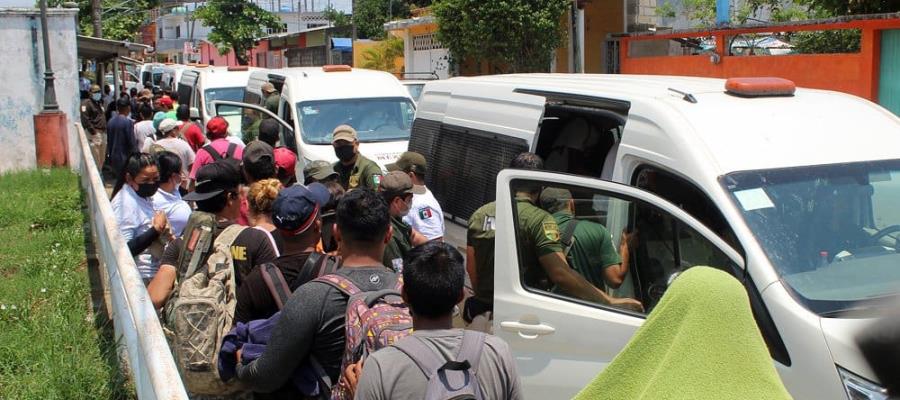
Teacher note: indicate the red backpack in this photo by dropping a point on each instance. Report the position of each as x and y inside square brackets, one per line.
[374, 320]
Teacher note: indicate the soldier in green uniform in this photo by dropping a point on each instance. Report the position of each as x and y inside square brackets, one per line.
[590, 248]
[542, 260]
[272, 97]
[398, 189]
[354, 169]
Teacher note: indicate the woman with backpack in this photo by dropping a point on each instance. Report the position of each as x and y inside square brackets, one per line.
[145, 230]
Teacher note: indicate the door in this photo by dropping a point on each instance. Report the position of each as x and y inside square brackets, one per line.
[889, 80]
[563, 334]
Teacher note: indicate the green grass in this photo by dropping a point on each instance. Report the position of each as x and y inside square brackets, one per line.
[51, 344]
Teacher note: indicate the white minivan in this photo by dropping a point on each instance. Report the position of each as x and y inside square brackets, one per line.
[315, 100]
[793, 192]
[201, 84]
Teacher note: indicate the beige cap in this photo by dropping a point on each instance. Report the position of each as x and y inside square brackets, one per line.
[344, 132]
[268, 87]
[396, 183]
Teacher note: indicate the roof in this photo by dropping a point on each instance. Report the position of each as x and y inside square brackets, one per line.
[221, 77]
[812, 127]
[406, 23]
[315, 84]
[102, 49]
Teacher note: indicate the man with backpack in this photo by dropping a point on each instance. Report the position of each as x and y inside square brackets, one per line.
[219, 146]
[433, 279]
[312, 323]
[297, 215]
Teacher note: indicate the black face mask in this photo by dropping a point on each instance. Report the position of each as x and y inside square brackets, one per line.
[147, 189]
[344, 153]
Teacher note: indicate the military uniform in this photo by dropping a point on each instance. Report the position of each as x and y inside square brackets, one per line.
[272, 102]
[364, 173]
[399, 245]
[592, 249]
[93, 119]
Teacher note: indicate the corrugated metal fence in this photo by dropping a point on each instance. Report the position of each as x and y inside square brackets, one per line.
[137, 327]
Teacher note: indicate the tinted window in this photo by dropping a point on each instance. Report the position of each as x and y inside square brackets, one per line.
[375, 120]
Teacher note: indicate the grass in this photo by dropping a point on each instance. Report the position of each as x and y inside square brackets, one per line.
[51, 344]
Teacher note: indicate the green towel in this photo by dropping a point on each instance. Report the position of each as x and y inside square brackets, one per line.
[700, 342]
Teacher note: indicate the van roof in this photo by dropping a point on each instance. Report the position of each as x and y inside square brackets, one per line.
[312, 83]
[221, 77]
[730, 133]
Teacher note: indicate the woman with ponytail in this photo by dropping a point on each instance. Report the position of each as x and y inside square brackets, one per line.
[260, 200]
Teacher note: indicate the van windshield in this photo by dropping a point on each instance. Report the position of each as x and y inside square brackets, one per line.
[832, 232]
[230, 94]
[375, 120]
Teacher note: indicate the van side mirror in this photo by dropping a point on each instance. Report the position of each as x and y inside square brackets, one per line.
[194, 114]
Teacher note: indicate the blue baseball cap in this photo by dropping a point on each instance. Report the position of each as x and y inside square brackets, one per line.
[297, 207]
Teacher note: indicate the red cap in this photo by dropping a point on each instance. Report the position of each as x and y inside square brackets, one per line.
[165, 101]
[286, 160]
[217, 128]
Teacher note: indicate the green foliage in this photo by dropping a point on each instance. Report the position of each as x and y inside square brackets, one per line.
[515, 35]
[823, 42]
[53, 346]
[236, 24]
[383, 56]
[337, 18]
[844, 7]
[371, 15]
[121, 19]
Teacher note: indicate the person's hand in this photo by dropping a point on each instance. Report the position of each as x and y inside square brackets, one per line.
[630, 239]
[627, 304]
[160, 221]
[350, 377]
[238, 355]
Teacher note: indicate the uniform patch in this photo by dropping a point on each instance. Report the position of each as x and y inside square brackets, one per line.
[425, 213]
[376, 180]
[551, 231]
[354, 181]
[488, 224]
[397, 263]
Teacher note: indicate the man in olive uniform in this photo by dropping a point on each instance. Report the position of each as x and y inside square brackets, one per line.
[590, 246]
[93, 119]
[272, 97]
[354, 169]
[542, 260]
[398, 190]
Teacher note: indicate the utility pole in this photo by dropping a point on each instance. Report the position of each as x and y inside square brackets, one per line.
[96, 15]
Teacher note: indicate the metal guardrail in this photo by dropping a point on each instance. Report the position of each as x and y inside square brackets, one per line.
[151, 364]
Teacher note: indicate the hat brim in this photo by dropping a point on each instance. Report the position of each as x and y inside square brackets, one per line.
[195, 196]
[392, 167]
[323, 176]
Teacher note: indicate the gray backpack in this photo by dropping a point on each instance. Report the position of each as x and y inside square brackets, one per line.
[448, 379]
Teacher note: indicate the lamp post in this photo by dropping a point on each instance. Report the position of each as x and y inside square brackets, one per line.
[51, 142]
[49, 87]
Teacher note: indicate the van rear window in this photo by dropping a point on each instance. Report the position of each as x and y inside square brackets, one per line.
[375, 120]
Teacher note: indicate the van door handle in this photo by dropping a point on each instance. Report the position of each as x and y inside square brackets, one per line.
[527, 331]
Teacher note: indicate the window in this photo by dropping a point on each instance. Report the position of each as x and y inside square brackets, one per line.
[177, 32]
[161, 33]
[603, 249]
[578, 140]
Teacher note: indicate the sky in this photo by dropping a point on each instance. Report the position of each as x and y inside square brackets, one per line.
[17, 3]
[343, 5]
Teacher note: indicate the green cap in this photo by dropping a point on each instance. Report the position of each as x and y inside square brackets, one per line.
[554, 199]
[397, 183]
[409, 161]
[319, 170]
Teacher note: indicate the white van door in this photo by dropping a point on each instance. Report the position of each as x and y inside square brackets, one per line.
[562, 339]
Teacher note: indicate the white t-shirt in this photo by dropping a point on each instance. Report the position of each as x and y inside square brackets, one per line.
[182, 149]
[426, 215]
[142, 131]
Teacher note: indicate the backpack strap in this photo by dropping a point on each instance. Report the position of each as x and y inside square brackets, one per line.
[341, 283]
[568, 236]
[271, 239]
[200, 239]
[213, 153]
[425, 358]
[329, 265]
[231, 149]
[471, 348]
[373, 297]
[274, 280]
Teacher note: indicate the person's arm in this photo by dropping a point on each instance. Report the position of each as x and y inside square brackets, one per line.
[416, 238]
[161, 286]
[291, 340]
[470, 266]
[370, 385]
[86, 119]
[141, 242]
[614, 273]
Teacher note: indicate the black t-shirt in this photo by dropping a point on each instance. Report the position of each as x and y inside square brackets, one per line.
[251, 247]
[255, 301]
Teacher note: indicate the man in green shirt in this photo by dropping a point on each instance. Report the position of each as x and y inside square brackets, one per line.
[590, 246]
[272, 97]
[354, 169]
[398, 189]
[543, 261]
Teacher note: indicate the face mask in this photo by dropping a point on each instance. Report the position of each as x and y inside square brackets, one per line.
[147, 189]
[96, 96]
[406, 207]
[344, 153]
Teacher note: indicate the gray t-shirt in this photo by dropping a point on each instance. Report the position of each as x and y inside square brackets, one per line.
[391, 374]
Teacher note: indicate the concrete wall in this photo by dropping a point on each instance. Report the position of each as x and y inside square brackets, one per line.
[22, 91]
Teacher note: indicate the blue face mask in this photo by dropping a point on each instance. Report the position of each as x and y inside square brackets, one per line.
[96, 96]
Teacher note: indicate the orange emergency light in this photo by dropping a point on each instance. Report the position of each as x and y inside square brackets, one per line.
[760, 87]
[238, 68]
[336, 68]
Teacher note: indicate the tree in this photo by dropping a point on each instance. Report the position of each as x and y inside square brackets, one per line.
[236, 24]
[371, 15]
[512, 35]
[337, 18]
[383, 57]
[118, 19]
[844, 7]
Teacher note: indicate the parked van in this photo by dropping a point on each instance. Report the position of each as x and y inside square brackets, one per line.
[793, 192]
[315, 100]
[158, 76]
[201, 84]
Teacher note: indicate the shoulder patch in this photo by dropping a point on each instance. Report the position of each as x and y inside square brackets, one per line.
[488, 224]
[425, 213]
[354, 181]
[376, 180]
[551, 231]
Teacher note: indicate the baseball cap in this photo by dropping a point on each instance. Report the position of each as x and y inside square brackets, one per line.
[344, 132]
[296, 208]
[258, 156]
[267, 87]
[319, 170]
[409, 161]
[551, 197]
[396, 183]
[167, 125]
[158, 119]
[286, 160]
[217, 127]
[165, 101]
[215, 178]
[95, 88]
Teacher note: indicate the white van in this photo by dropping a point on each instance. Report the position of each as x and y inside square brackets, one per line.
[793, 193]
[315, 100]
[201, 84]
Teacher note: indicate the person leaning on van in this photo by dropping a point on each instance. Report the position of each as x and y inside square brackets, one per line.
[354, 169]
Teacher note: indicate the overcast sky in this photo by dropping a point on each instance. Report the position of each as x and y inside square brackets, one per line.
[17, 3]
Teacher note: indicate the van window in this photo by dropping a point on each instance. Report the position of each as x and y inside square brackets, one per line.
[576, 140]
[624, 247]
[375, 119]
[230, 94]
